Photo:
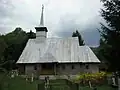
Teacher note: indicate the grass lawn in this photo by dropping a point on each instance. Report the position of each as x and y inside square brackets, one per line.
[19, 83]
[60, 84]
[106, 88]
[98, 88]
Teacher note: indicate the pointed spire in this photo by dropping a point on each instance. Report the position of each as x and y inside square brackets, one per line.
[42, 19]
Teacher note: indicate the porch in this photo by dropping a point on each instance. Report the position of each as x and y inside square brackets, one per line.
[48, 69]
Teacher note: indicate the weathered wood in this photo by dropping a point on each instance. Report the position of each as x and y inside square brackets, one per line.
[55, 69]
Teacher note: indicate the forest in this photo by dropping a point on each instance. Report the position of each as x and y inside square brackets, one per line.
[11, 47]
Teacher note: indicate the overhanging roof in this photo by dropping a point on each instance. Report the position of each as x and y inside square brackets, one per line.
[61, 50]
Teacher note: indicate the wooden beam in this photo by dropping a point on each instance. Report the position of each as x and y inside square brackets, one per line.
[55, 68]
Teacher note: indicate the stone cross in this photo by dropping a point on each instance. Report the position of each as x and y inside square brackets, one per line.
[32, 78]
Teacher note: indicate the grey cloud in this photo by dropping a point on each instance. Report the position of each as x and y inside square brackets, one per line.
[88, 31]
[6, 8]
[90, 37]
[6, 13]
[62, 17]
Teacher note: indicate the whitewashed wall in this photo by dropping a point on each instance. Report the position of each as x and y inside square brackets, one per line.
[29, 69]
[41, 36]
[77, 69]
[93, 68]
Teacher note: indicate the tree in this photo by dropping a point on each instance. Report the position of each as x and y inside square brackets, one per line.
[31, 34]
[3, 46]
[110, 33]
[11, 47]
[77, 34]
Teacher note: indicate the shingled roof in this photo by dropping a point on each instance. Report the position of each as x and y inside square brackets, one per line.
[60, 50]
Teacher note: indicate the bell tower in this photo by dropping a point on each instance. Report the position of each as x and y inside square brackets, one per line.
[41, 30]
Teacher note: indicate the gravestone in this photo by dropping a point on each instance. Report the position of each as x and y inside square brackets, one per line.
[114, 81]
[46, 83]
[32, 77]
[12, 75]
[16, 73]
[90, 84]
[26, 78]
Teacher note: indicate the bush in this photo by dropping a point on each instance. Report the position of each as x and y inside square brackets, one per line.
[93, 78]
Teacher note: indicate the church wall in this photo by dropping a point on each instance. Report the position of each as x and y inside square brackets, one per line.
[94, 68]
[64, 69]
[41, 34]
[21, 69]
[32, 68]
[29, 69]
[40, 39]
[73, 69]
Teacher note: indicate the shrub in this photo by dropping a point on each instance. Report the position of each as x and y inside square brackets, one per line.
[94, 78]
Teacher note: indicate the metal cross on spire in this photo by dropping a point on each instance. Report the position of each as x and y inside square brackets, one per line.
[42, 18]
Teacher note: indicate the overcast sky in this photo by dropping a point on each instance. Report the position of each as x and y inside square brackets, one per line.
[61, 17]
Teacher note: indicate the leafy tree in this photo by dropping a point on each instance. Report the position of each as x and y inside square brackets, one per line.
[77, 34]
[12, 45]
[31, 34]
[110, 33]
[3, 46]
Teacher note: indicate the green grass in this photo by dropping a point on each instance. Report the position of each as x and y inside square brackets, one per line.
[63, 87]
[106, 88]
[58, 81]
[19, 83]
[98, 88]
[59, 84]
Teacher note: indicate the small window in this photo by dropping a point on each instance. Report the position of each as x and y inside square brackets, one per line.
[73, 67]
[83, 63]
[35, 67]
[87, 66]
[80, 65]
[63, 66]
